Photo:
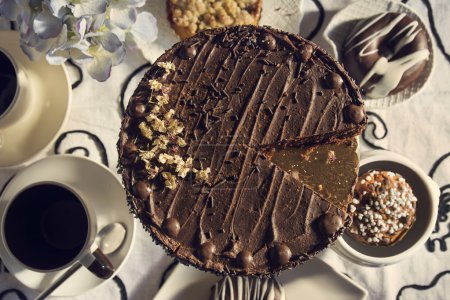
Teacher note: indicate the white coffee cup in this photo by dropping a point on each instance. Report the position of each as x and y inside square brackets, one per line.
[22, 101]
[35, 256]
[427, 193]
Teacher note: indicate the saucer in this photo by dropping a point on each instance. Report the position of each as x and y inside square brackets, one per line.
[107, 196]
[315, 279]
[51, 96]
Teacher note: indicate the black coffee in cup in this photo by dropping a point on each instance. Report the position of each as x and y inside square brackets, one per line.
[46, 226]
[8, 83]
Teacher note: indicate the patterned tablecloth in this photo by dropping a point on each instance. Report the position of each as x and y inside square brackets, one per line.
[418, 129]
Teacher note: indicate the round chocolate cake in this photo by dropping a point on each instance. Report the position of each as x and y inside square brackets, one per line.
[238, 150]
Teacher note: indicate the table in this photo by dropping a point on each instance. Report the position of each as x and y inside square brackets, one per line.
[418, 129]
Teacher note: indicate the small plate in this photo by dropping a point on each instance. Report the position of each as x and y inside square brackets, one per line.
[101, 187]
[314, 280]
[344, 20]
[51, 97]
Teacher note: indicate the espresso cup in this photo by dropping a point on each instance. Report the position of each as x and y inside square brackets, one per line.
[15, 91]
[49, 226]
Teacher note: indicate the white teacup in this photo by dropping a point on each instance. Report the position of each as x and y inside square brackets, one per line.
[48, 226]
[427, 193]
[17, 104]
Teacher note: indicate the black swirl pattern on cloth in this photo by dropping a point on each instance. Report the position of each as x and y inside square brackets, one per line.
[79, 71]
[434, 31]
[167, 272]
[374, 121]
[97, 141]
[443, 210]
[122, 288]
[419, 287]
[125, 84]
[19, 294]
[320, 20]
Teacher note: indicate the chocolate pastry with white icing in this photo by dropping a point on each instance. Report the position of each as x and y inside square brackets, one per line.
[385, 208]
[238, 150]
[386, 53]
[247, 288]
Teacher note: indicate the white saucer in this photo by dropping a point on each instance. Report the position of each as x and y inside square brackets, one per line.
[314, 280]
[51, 93]
[101, 187]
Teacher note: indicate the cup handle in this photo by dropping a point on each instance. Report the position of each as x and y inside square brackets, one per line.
[98, 263]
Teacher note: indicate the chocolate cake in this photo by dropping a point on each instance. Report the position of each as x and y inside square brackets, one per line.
[247, 288]
[385, 208]
[205, 130]
[386, 53]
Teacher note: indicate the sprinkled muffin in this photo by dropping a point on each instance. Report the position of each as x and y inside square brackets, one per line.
[385, 208]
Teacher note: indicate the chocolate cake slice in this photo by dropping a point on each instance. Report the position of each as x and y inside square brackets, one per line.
[209, 145]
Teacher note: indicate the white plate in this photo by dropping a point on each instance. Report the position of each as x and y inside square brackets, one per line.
[51, 92]
[341, 24]
[101, 188]
[314, 280]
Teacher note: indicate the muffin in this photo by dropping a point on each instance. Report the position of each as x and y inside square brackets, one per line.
[247, 288]
[385, 208]
[386, 53]
[189, 17]
[221, 144]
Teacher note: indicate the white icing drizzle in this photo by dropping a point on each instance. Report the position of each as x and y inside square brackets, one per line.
[248, 289]
[391, 71]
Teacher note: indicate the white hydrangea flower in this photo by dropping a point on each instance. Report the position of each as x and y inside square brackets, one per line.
[93, 32]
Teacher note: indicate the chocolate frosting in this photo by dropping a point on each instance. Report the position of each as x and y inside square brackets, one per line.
[237, 91]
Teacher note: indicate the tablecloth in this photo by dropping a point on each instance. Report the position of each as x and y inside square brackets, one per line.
[418, 129]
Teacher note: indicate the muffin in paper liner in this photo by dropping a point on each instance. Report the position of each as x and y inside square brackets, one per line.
[341, 25]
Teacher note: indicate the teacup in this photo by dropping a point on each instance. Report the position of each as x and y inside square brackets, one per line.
[15, 91]
[427, 193]
[48, 226]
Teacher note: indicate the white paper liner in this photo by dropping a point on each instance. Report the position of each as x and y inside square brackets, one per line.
[280, 14]
[341, 25]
